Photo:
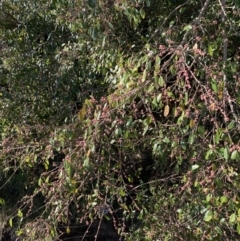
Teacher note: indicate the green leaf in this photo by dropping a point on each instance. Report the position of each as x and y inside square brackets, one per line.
[210, 50]
[223, 199]
[231, 125]
[46, 165]
[144, 75]
[208, 154]
[238, 228]
[218, 230]
[47, 179]
[10, 222]
[180, 119]
[232, 218]
[19, 232]
[69, 168]
[86, 162]
[191, 138]
[2, 202]
[68, 230]
[40, 182]
[118, 131]
[209, 197]
[195, 167]
[126, 135]
[217, 136]
[20, 214]
[145, 130]
[157, 63]
[170, 94]
[223, 220]
[142, 13]
[129, 122]
[166, 140]
[226, 153]
[235, 155]
[161, 81]
[187, 28]
[122, 192]
[135, 22]
[214, 85]
[208, 216]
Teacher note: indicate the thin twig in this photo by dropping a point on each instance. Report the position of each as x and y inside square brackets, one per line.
[184, 40]
[9, 179]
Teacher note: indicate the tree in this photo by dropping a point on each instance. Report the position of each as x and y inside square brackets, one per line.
[120, 116]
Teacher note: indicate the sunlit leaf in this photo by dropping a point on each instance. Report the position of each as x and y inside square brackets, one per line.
[2, 202]
[217, 136]
[86, 162]
[195, 167]
[166, 110]
[20, 214]
[210, 50]
[238, 227]
[121, 192]
[187, 28]
[214, 85]
[224, 199]
[10, 222]
[235, 155]
[144, 75]
[226, 153]
[231, 125]
[195, 46]
[208, 216]
[161, 81]
[40, 181]
[157, 63]
[209, 197]
[232, 218]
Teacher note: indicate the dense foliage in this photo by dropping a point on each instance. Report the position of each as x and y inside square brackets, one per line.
[119, 120]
